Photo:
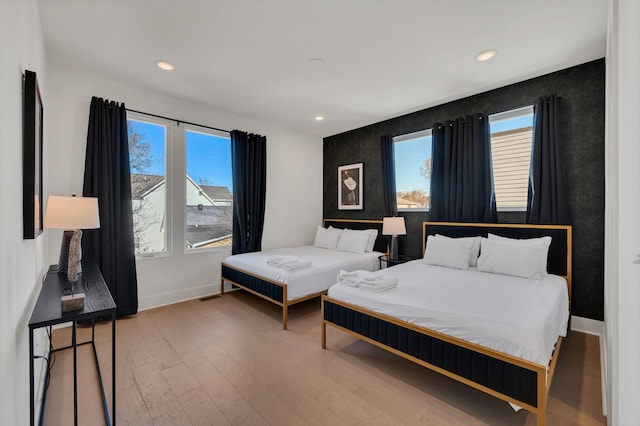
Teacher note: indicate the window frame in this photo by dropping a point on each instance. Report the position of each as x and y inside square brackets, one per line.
[507, 115]
[404, 138]
[168, 175]
[212, 132]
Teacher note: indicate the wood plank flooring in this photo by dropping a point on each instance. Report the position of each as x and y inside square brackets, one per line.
[227, 361]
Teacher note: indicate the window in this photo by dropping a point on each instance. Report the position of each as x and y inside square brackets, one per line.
[412, 162]
[511, 140]
[147, 157]
[208, 216]
[158, 195]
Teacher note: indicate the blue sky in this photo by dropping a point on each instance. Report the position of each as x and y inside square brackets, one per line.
[409, 156]
[208, 156]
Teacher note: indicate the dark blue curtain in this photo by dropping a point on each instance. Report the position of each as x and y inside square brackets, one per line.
[388, 177]
[249, 170]
[461, 174]
[107, 176]
[547, 199]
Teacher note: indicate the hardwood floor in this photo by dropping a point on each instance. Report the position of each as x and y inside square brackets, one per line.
[226, 360]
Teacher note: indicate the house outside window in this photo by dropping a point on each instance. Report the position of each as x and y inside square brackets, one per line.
[412, 162]
[148, 146]
[511, 141]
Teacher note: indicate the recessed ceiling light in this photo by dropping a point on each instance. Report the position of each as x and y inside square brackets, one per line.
[316, 61]
[319, 117]
[486, 55]
[163, 65]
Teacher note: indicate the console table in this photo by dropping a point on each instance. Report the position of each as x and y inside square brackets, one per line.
[47, 312]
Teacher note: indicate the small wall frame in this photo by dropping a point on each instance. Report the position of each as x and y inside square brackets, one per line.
[32, 157]
[350, 185]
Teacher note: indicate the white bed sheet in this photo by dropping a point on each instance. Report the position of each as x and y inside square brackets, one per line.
[517, 316]
[325, 266]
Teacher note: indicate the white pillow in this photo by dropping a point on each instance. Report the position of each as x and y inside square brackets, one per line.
[449, 252]
[544, 241]
[327, 238]
[526, 260]
[373, 234]
[475, 248]
[353, 241]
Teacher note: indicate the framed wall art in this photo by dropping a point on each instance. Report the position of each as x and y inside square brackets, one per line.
[32, 157]
[350, 187]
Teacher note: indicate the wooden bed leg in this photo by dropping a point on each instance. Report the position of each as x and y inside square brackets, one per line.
[324, 335]
[542, 398]
[285, 311]
[221, 286]
[324, 324]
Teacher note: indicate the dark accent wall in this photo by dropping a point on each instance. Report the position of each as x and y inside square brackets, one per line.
[581, 134]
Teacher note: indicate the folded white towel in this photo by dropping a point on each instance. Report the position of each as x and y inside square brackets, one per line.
[288, 262]
[351, 279]
[350, 283]
[373, 277]
[367, 280]
[383, 284]
[274, 260]
[298, 264]
[347, 275]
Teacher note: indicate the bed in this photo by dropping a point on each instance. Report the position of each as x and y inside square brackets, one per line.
[519, 371]
[250, 271]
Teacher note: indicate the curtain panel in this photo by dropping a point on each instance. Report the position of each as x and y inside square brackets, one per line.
[388, 176]
[107, 177]
[547, 201]
[461, 176]
[249, 174]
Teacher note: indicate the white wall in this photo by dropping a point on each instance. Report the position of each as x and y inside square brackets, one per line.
[622, 214]
[22, 262]
[294, 178]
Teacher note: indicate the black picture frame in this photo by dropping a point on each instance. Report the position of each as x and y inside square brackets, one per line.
[350, 185]
[32, 118]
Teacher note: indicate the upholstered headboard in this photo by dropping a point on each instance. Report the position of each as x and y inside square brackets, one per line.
[559, 260]
[360, 224]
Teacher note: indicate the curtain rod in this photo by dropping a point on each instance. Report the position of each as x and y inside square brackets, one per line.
[178, 121]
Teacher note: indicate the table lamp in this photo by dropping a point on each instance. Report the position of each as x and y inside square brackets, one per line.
[393, 226]
[71, 214]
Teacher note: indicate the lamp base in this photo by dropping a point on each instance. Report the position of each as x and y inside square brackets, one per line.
[393, 251]
[72, 302]
[70, 255]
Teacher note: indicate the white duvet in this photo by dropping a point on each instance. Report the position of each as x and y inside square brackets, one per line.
[517, 316]
[319, 276]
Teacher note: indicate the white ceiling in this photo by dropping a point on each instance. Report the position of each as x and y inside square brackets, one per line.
[382, 58]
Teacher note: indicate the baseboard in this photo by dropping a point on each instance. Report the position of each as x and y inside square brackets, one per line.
[169, 298]
[587, 325]
[603, 370]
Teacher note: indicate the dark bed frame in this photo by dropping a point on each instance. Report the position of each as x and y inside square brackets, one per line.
[509, 378]
[276, 292]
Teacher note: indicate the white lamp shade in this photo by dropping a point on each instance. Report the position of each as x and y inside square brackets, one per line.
[72, 213]
[393, 226]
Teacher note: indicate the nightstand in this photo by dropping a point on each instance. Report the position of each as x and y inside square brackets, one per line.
[385, 262]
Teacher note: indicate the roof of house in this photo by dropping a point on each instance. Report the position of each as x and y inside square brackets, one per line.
[207, 223]
[141, 184]
[217, 192]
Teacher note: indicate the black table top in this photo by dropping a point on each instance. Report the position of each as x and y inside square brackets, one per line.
[48, 309]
